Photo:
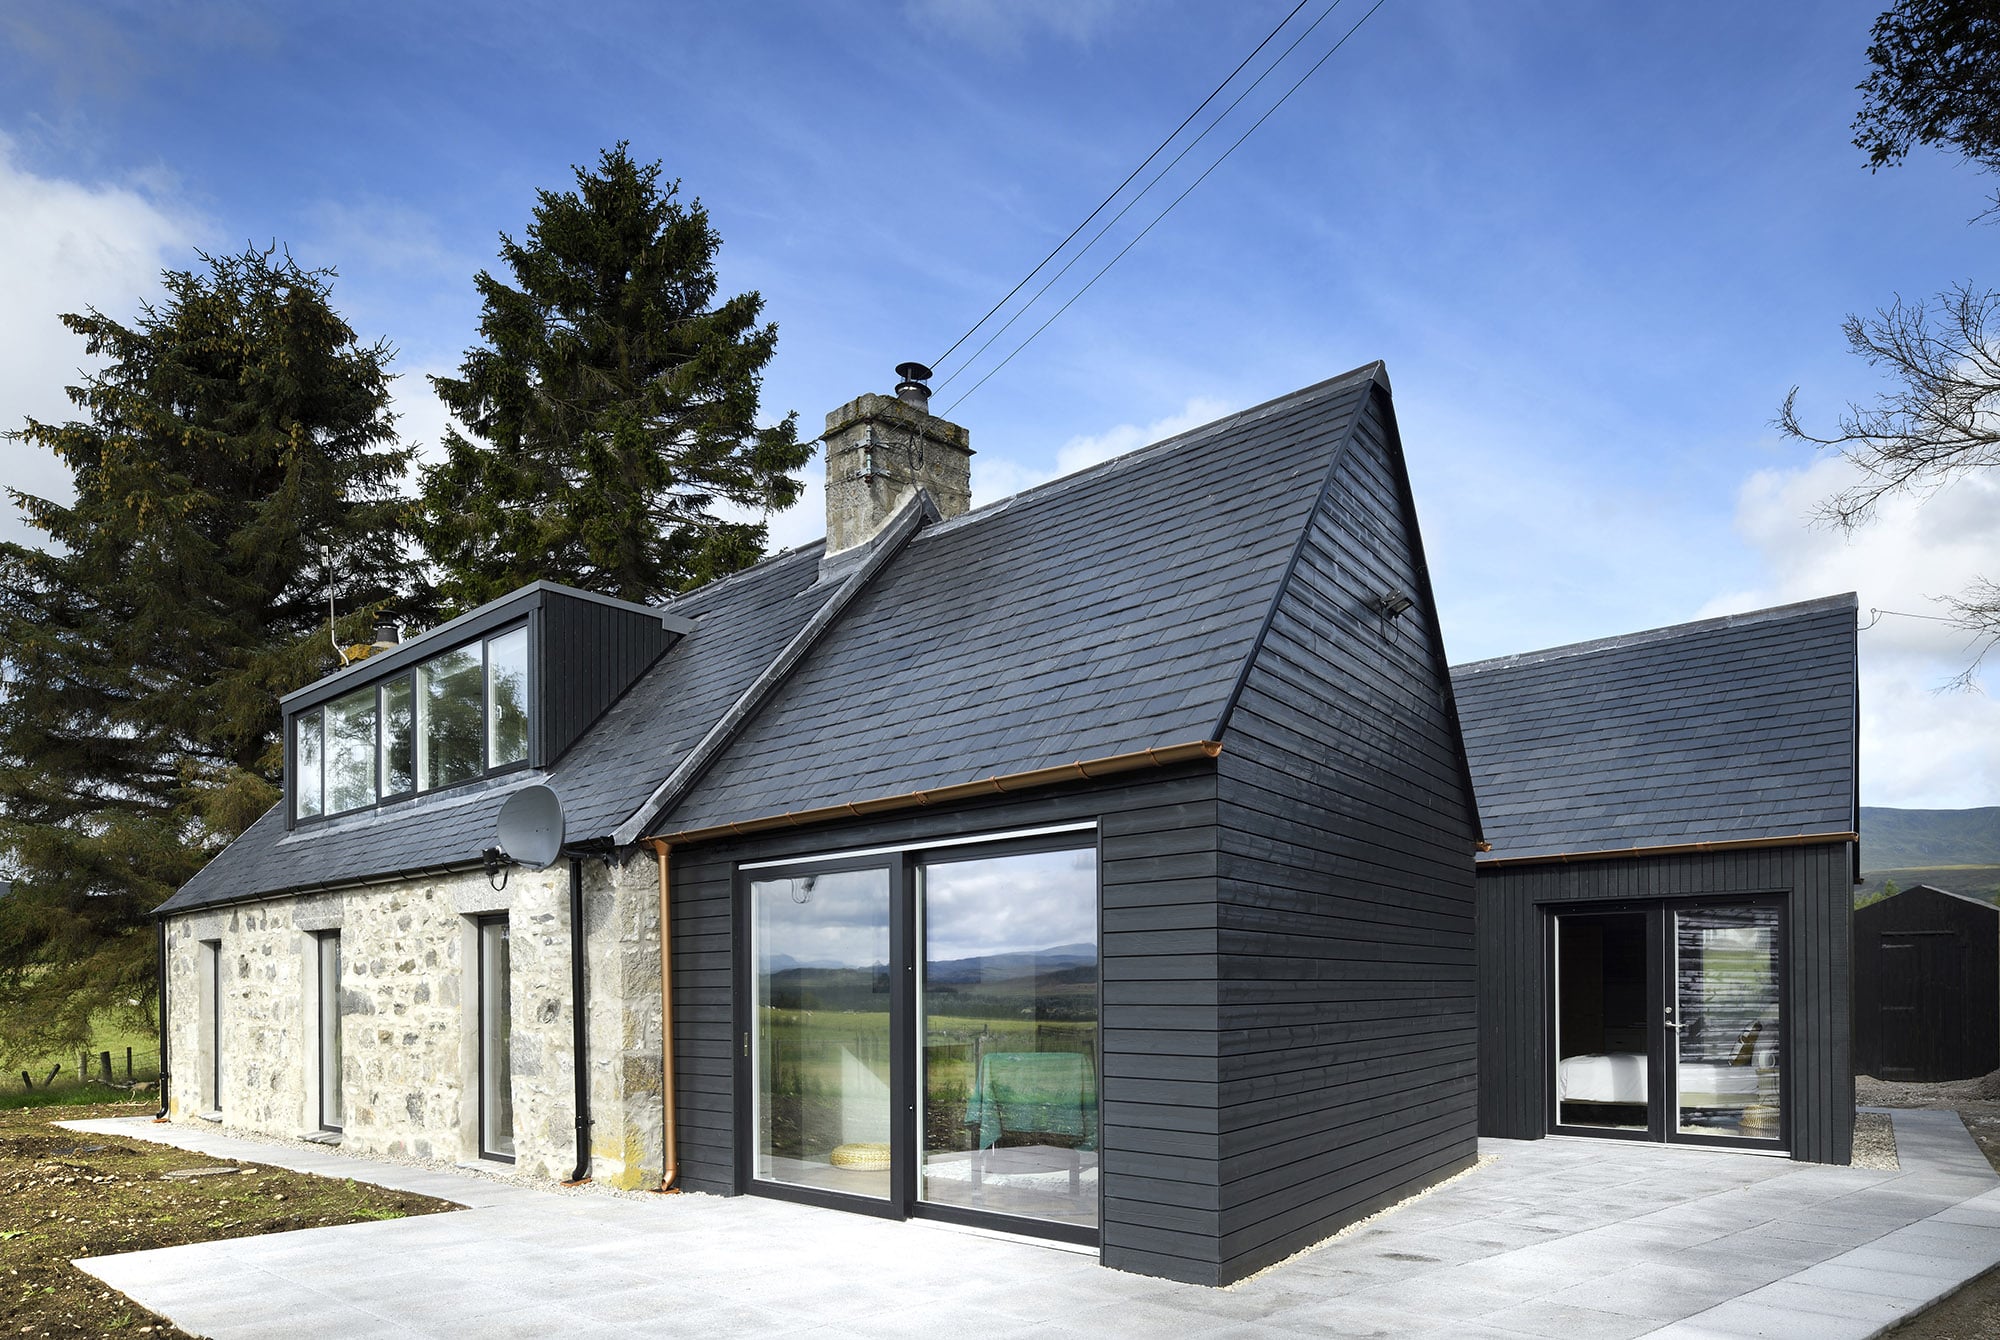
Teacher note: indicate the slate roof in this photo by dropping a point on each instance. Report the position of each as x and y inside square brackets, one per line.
[1107, 612]
[1731, 728]
[740, 623]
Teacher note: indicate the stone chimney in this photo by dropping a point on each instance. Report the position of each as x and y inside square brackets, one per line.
[880, 450]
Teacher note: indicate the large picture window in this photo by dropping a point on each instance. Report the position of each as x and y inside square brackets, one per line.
[955, 986]
[453, 718]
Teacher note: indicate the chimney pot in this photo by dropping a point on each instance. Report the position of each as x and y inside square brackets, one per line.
[387, 634]
[913, 385]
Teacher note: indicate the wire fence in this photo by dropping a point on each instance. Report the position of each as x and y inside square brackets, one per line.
[135, 1068]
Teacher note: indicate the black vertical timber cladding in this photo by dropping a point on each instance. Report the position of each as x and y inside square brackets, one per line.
[1816, 884]
[1158, 1125]
[1348, 1046]
[1927, 987]
[590, 653]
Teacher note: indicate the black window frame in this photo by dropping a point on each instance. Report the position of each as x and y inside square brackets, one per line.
[320, 940]
[903, 864]
[480, 924]
[408, 673]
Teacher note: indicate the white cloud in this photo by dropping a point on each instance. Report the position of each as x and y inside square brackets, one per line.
[1006, 26]
[998, 476]
[64, 246]
[1920, 746]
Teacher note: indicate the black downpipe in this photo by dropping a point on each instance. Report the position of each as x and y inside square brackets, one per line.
[578, 1014]
[161, 1115]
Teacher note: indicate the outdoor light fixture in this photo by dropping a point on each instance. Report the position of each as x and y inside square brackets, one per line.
[1392, 604]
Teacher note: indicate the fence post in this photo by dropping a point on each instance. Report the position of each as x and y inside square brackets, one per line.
[27, 1080]
[128, 1063]
[104, 1065]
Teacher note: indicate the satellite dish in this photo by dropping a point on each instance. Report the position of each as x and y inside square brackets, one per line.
[531, 827]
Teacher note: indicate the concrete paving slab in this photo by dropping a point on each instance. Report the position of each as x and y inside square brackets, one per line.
[1576, 1239]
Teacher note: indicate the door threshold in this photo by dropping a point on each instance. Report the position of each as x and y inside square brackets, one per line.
[1672, 1145]
[1004, 1235]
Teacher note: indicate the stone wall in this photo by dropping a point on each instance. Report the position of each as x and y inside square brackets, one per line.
[409, 1017]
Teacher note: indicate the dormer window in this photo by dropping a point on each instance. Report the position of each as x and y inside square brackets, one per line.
[454, 717]
[509, 685]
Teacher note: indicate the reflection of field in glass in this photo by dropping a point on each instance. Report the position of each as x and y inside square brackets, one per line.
[803, 1059]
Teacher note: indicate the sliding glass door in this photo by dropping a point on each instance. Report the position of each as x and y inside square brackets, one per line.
[1009, 1027]
[1667, 1022]
[922, 1034]
[822, 1106]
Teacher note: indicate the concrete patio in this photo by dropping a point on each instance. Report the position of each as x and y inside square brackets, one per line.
[1583, 1240]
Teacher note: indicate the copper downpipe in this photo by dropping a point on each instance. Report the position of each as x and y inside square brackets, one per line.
[670, 1167]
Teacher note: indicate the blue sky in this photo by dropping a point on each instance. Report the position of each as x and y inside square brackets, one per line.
[1595, 243]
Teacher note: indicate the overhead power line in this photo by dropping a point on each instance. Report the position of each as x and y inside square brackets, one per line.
[1144, 191]
[939, 360]
[1175, 201]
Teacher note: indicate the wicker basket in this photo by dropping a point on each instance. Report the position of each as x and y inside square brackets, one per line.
[860, 1157]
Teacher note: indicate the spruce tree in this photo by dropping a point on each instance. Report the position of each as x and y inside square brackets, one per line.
[232, 430]
[612, 401]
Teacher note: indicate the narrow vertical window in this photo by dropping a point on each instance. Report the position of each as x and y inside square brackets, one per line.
[399, 775]
[350, 751]
[496, 1073]
[308, 786]
[332, 1101]
[209, 966]
[450, 704]
[507, 699]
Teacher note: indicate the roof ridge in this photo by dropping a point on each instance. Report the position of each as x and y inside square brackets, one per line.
[1770, 614]
[715, 583]
[909, 519]
[1376, 371]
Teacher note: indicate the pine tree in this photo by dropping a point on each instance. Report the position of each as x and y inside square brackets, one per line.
[233, 430]
[612, 402]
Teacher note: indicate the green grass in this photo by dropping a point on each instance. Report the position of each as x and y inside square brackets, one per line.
[63, 1095]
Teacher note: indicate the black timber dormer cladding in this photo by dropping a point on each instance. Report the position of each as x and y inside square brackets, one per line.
[510, 685]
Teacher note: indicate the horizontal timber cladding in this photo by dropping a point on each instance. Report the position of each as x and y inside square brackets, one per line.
[1347, 1063]
[1158, 1131]
[1817, 884]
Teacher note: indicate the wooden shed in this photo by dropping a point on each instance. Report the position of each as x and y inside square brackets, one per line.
[1927, 986]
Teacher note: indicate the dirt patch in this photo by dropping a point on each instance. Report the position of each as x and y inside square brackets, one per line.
[65, 1195]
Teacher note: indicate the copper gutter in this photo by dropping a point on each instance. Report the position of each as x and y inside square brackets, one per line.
[1675, 849]
[670, 1167]
[1087, 769]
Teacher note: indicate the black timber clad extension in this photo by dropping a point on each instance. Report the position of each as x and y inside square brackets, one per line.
[1817, 885]
[1347, 1068]
[1927, 987]
[1157, 862]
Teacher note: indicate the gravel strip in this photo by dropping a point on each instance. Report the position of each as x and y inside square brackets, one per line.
[1875, 1142]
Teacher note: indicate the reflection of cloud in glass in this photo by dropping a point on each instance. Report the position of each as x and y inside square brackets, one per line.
[841, 920]
[1010, 904]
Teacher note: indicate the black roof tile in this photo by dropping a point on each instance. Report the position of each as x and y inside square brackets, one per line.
[1731, 728]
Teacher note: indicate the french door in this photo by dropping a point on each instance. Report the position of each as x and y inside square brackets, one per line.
[919, 1034]
[1667, 1021]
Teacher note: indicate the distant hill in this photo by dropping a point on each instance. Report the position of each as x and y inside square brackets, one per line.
[1894, 839]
